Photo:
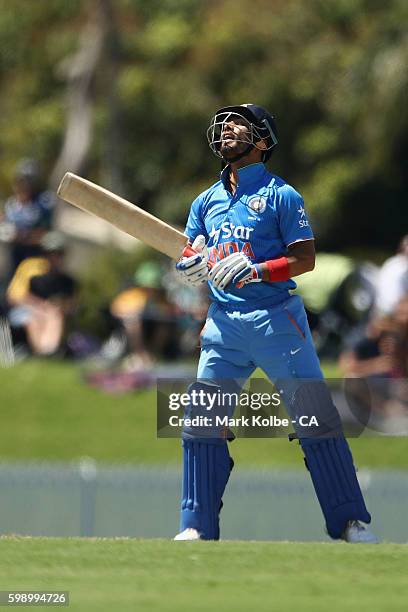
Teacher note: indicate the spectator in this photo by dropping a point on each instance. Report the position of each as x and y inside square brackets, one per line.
[380, 351]
[381, 358]
[393, 280]
[147, 317]
[42, 301]
[27, 213]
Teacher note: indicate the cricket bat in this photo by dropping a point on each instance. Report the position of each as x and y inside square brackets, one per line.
[124, 215]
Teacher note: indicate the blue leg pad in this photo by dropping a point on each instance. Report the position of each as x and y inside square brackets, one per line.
[206, 469]
[331, 467]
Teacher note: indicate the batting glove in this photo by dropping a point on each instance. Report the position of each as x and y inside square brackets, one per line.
[236, 269]
[194, 269]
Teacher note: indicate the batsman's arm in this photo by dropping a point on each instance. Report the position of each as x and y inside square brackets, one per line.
[299, 259]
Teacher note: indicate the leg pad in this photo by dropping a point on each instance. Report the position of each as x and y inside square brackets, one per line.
[206, 469]
[331, 467]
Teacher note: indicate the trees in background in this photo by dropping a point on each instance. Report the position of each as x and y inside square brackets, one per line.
[332, 71]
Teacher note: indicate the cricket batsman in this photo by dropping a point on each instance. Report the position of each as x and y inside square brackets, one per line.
[251, 235]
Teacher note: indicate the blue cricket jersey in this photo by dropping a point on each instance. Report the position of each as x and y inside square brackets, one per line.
[262, 218]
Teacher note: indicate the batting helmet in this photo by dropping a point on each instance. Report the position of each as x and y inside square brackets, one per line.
[262, 124]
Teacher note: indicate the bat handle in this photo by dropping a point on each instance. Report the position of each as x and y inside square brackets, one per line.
[188, 251]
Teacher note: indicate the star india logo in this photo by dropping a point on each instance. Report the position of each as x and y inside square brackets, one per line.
[303, 222]
[257, 203]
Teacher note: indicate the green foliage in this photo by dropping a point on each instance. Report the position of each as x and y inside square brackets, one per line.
[332, 71]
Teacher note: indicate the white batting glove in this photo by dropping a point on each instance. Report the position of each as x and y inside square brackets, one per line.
[194, 269]
[237, 268]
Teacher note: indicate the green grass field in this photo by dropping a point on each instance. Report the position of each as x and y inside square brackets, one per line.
[47, 412]
[149, 575]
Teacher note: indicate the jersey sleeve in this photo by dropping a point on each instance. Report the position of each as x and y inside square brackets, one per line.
[293, 220]
[195, 223]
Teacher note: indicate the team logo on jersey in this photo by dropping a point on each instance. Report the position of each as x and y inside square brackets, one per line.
[257, 203]
[229, 230]
[220, 251]
[303, 222]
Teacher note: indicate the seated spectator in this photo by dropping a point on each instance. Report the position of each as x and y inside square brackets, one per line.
[27, 213]
[376, 353]
[42, 295]
[146, 316]
[380, 357]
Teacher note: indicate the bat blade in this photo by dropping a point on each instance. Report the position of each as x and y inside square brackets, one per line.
[122, 214]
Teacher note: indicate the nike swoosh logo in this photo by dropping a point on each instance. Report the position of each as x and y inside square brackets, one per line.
[296, 351]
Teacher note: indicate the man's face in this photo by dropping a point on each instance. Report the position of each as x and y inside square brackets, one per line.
[235, 136]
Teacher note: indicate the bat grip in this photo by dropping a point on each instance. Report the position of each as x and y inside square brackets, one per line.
[188, 251]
